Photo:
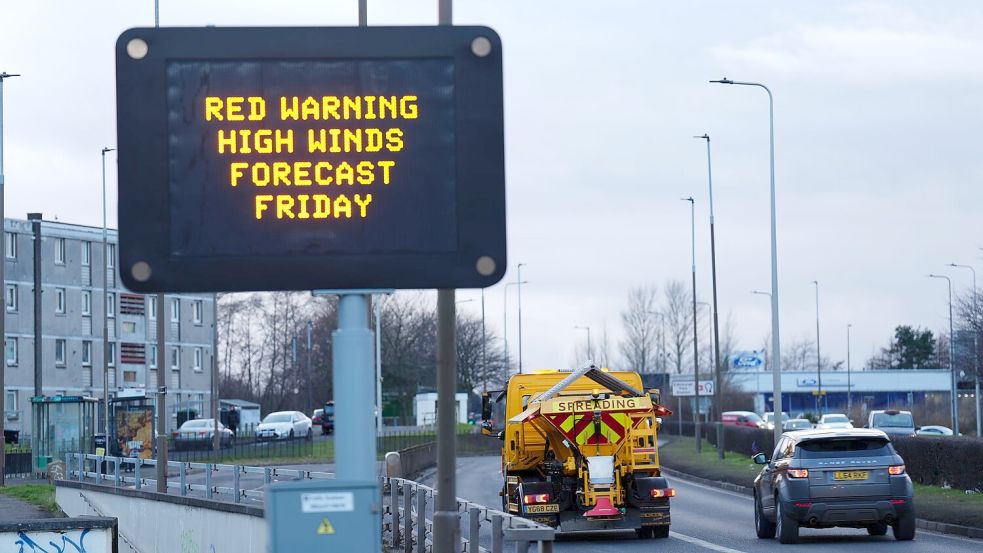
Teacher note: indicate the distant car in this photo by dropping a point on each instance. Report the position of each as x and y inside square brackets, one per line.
[198, 433]
[892, 421]
[284, 425]
[796, 424]
[826, 478]
[327, 418]
[316, 417]
[742, 418]
[769, 418]
[836, 421]
[934, 431]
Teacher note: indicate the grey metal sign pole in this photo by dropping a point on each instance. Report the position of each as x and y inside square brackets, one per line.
[216, 437]
[105, 303]
[35, 219]
[162, 397]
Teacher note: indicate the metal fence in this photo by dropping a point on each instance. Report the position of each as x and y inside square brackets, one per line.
[469, 441]
[244, 447]
[407, 523]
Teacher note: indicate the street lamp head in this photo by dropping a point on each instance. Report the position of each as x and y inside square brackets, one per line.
[704, 136]
[689, 199]
[725, 80]
[5, 75]
[105, 150]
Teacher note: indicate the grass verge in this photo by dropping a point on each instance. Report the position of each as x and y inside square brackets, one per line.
[42, 495]
[931, 502]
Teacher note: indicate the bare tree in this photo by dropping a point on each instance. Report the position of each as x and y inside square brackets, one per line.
[678, 313]
[641, 331]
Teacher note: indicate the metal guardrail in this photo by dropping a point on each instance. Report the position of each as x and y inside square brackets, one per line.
[407, 527]
[407, 505]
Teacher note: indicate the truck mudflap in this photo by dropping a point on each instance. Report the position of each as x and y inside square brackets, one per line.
[632, 519]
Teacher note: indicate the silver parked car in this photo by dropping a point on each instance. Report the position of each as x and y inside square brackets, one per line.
[284, 425]
[827, 478]
[834, 421]
[797, 424]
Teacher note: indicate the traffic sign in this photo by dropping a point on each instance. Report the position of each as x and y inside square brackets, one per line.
[302, 158]
[684, 388]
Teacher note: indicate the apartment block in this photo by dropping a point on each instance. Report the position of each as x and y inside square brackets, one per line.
[76, 313]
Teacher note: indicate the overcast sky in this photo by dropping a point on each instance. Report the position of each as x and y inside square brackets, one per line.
[877, 119]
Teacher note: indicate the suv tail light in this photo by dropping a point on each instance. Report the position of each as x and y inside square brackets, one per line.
[798, 473]
[895, 470]
[536, 498]
[663, 492]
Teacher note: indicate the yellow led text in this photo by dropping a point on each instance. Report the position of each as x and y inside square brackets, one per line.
[312, 206]
[262, 141]
[235, 108]
[348, 107]
[307, 173]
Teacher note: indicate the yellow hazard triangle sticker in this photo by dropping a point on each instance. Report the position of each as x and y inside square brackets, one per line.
[325, 527]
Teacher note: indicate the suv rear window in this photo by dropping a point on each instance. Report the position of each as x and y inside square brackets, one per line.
[893, 420]
[844, 447]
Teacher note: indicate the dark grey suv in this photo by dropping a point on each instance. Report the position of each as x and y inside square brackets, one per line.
[827, 478]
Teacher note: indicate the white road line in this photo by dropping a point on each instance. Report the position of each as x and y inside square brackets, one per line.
[704, 544]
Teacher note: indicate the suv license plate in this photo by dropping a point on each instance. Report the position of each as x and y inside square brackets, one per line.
[850, 475]
[552, 508]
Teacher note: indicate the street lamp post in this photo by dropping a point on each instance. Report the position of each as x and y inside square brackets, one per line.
[505, 325]
[819, 362]
[3, 255]
[763, 351]
[849, 388]
[775, 345]
[976, 347]
[590, 352]
[713, 278]
[105, 300]
[696, 349]
[518, 277]
[952, 366]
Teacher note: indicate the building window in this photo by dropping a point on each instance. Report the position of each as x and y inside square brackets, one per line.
[152, 356]
[129, 327]
[196, 311]
[86, 302]
[60, 301]
[59, 251]
[175, 359]
[86, 253]
[10, 347]
[111, 256]
[199, 354]
[11, 402]
[175, 310]
[60, 348]
[11, 242]
[12, 298]
[129, 376]
[112, 354]
[87, 353]
[110, 305]
[152, 307]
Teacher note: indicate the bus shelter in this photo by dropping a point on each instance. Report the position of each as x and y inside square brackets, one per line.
[61, 424]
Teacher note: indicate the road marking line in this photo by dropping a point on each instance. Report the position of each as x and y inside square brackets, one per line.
[704, 544]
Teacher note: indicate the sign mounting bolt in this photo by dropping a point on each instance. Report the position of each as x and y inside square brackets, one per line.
[137, 48]
[481, 46]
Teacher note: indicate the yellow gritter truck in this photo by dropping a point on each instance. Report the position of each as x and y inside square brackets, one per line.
[580, 451]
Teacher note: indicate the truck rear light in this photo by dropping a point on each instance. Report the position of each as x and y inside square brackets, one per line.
[663, 492]
[895, 470]
[798, 473]
[536, 498]
[803, 505]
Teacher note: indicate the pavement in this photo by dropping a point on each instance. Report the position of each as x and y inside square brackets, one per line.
[705, 519]
[13, 509]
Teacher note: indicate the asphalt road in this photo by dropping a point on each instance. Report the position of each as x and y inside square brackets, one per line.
[706, 519]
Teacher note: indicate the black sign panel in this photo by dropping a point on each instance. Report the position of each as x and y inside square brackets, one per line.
[303, 158]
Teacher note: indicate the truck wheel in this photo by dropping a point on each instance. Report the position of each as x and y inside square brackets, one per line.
[785, 526]
[904, 528]
[644, 533]
[878, 529]
[764, 528]
[660, 532]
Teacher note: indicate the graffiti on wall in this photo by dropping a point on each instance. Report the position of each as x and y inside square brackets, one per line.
[71, 541]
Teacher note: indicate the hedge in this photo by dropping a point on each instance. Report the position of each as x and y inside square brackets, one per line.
[948, 461]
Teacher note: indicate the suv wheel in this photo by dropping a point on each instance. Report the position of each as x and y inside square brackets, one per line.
[904, 528]
[764, 528]
[786, 527]
[878, 529]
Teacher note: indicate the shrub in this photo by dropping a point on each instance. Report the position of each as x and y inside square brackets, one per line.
[953, 461]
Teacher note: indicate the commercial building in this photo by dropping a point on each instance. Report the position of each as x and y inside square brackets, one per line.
[72, 305]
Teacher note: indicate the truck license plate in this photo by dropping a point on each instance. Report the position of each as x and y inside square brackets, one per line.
[552, 508]
[850, 475]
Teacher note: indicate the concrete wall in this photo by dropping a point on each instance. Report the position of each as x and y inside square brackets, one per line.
[87, 535]
[158, 523]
